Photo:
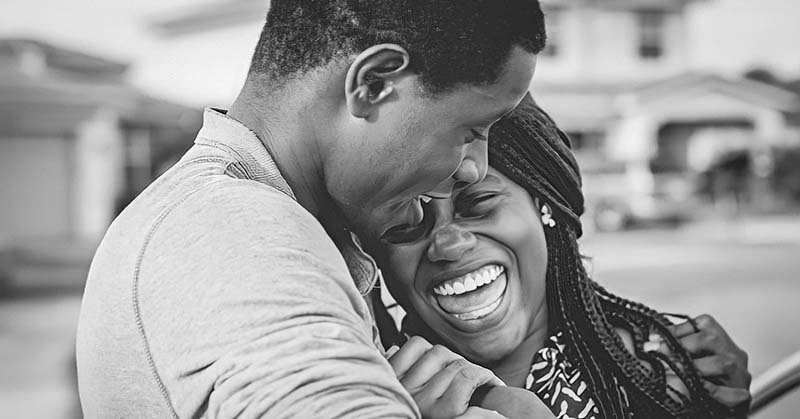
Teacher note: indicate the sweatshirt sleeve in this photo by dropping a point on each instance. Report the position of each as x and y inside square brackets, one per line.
[247, 310]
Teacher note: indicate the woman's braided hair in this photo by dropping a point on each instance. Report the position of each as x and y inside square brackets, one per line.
[529, 149]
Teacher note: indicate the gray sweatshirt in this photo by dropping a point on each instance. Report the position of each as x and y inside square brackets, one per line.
[215, 294]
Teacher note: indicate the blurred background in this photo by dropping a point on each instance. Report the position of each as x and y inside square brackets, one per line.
[685, 117]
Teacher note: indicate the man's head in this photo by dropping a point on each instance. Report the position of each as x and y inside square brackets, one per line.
[404, 92]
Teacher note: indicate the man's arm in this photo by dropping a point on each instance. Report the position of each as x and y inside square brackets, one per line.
[253, 314]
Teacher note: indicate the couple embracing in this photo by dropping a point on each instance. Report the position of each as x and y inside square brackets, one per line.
[395, 139]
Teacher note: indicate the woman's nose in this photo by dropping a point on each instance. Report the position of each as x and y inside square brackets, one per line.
[450, 243]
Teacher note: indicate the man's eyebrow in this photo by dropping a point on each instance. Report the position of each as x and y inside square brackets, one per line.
[492, 179]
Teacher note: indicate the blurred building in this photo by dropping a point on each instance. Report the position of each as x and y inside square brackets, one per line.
[616, 75]
[75, 142]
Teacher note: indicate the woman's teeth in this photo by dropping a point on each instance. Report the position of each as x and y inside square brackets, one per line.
[469, 282]
[473, 296]
[477, 314]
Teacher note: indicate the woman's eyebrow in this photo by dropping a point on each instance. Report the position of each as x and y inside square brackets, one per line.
[492, 179]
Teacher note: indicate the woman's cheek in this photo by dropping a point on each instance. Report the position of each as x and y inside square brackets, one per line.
[403, 266]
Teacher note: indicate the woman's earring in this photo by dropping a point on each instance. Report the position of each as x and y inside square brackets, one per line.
[547, 216]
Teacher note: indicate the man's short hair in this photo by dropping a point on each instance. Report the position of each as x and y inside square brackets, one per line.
[450, 42]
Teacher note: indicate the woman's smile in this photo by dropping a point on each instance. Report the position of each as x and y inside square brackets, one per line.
[474, 295]
[475, 269]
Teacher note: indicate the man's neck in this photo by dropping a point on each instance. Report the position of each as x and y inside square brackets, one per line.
[288, 135]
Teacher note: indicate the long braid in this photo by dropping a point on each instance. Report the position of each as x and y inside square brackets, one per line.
[528, 148]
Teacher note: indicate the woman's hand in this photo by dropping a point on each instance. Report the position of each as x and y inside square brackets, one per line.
[722, 364]
[516, 403]
[440, 381]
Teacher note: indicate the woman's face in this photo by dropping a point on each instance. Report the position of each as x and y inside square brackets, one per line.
[474, 270]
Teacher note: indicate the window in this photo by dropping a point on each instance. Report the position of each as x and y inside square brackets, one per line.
[651, 34]
[554, 29]
[586, 140]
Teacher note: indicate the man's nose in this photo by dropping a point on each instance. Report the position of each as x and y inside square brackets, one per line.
[450, 243]
[475, 164]
[472, 169]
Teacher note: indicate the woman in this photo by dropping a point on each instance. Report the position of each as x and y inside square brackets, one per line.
[495, 274]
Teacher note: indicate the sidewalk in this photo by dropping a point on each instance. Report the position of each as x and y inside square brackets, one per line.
[752, 230]
[690, 243]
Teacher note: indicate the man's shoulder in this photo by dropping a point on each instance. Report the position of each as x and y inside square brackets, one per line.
[219, 214]
[239, 209]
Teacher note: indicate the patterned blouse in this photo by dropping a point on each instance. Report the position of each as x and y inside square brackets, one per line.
[559, 384]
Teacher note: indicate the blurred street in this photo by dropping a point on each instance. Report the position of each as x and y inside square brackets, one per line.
[675, 110]
[746, 273]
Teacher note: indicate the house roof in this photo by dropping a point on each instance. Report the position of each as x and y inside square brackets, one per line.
[665, 5]
[751, 91]
[60, 59]
[51, 101]
[585, 106]
[579, 106]
[212, 14]
[223, 13]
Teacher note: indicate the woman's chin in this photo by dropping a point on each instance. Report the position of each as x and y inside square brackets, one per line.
[487, 354]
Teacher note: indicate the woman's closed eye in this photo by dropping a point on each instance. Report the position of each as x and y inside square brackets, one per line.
[475, 205]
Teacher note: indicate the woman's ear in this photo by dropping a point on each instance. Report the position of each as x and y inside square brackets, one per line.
[370, 78]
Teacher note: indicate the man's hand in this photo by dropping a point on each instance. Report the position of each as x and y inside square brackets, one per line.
[722, 364]
[440, 381]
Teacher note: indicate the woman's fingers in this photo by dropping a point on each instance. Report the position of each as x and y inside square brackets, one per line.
[436, 386]
[715, 354]
[700, 344]
[702, 324]
[448, 392]
[468, 377]
[716, 366]
[682, 329]
[711, 339]
[434, 361]
[404, 358]
[729, 396]
[440, 381]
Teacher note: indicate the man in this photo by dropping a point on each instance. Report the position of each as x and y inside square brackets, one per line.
[218, 293]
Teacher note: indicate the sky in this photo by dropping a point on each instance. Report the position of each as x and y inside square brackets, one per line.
[736, 35]
[728, 36]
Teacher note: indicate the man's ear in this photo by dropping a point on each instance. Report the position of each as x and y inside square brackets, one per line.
[370, 77]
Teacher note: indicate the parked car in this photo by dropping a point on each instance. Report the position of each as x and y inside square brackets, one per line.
[620, 194]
